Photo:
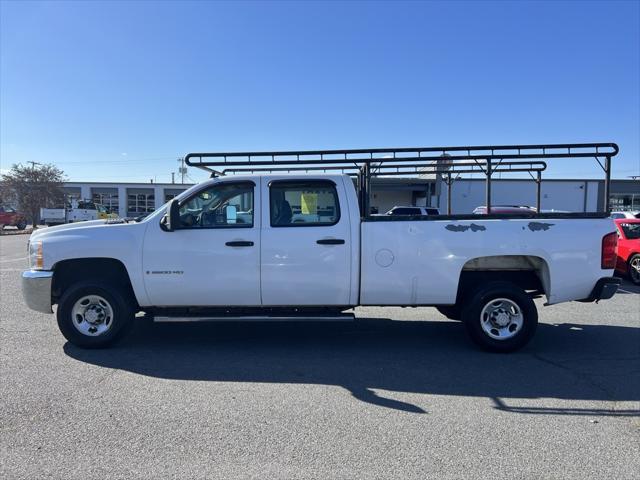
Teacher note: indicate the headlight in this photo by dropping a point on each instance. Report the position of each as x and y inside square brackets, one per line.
[36, 258]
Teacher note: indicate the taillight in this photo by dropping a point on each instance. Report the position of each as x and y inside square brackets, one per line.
[609, 251]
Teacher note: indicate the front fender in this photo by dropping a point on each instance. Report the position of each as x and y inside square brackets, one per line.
[122, 242]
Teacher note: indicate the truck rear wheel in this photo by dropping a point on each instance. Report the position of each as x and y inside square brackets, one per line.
[94, 315]
[500, 317]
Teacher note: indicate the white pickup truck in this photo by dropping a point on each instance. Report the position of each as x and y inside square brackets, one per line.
[76, 211]
[296, 246]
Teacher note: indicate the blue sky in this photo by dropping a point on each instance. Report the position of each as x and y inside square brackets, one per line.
[116, 91]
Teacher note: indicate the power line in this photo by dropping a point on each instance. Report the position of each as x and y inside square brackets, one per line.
[119, 161]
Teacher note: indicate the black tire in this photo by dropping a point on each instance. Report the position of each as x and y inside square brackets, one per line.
[634, 275]
[21, 225]
[121, 304]
[452, 312]
[472, 312]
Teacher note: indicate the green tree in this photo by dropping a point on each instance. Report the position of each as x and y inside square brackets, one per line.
[34, 187]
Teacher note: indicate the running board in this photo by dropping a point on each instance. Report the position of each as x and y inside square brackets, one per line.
[349, 317]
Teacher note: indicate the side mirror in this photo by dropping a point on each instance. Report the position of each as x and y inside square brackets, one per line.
[173, 216]
[231, 212]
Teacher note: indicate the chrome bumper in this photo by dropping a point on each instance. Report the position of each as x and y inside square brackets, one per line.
[36, 290]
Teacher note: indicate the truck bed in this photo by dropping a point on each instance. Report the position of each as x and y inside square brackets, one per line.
[419, 260]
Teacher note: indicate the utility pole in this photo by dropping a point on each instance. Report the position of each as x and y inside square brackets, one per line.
[33, 164]
[182, 170]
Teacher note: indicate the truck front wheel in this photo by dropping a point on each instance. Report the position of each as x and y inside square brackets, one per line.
[94, 315]
[500, 317]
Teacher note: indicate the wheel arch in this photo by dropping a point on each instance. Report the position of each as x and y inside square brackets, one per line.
[628, 261]
[102, 269]
[529, 272]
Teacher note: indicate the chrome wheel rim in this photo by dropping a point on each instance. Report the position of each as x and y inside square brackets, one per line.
[634, 269]
[92, 315]
[501, 319]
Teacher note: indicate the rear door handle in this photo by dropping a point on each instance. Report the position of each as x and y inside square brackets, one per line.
[239, 243]
[330, 241]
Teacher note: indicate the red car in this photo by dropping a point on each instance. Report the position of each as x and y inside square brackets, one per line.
[9, 217]
[629, 248]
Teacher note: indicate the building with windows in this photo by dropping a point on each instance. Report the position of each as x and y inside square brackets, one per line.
[574, 195]
[125, 199]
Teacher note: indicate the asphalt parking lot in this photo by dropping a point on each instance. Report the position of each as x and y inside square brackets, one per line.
[400, 393]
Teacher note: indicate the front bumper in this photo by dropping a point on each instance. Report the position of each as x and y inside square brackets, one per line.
[36, 290]
[605, 288]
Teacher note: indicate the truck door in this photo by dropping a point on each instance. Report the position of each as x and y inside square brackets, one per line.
[306, 256]
[213, 258]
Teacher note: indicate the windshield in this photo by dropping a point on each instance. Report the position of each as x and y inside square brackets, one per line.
[631, 230]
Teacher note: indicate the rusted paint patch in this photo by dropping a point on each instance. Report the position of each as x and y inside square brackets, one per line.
[463, 228]
[457, 228]
[537, 226]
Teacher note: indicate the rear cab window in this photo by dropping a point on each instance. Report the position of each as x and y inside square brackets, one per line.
[303, 203]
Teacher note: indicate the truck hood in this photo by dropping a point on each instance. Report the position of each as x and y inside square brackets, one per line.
[99, 238]
[42, 233]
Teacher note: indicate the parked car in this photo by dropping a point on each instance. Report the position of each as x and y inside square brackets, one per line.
[506, 209]
[413, 211]
[10, 217]
[625, 214]
[193, 260]
[628, 261]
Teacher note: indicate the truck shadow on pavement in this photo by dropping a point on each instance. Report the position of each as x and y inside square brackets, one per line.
[628, 287]
[564, 362]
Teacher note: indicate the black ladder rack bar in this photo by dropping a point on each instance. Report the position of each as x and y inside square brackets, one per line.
[385, 170]
[365, 163]
[411, 168]
[507, 152]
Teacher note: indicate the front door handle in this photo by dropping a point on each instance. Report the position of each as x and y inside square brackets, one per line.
[330, 241]
[239, 243]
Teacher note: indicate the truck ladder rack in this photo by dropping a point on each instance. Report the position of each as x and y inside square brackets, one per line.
[443, 161]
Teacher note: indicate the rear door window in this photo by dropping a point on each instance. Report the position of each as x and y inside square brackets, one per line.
[303, 203]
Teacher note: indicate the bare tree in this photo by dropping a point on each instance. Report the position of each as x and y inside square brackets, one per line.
[34, 187]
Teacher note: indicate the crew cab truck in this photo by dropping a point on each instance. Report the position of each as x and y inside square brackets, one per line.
[273, 246]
